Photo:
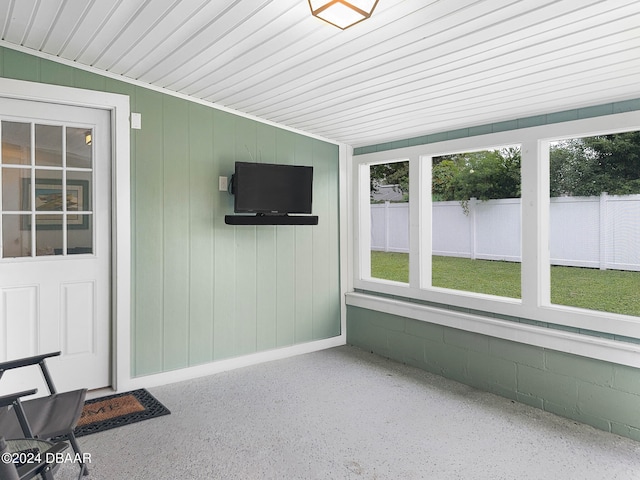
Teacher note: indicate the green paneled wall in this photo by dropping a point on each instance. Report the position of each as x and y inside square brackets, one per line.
[590, 391]
[203, 290]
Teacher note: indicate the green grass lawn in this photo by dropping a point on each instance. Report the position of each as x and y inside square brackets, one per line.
[604, 290]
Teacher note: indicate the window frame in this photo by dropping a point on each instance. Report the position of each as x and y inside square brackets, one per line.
[534, 304]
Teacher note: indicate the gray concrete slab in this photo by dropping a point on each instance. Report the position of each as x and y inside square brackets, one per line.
[344, 413]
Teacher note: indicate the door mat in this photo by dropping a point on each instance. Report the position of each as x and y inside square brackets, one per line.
[105, 413]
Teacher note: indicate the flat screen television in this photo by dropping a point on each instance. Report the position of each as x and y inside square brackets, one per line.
[270, 189]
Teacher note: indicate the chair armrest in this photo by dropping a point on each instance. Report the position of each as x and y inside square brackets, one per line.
[7, 400]
[48, 460]
[23, 362]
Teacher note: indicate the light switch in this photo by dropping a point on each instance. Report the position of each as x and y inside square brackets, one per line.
[223, 184]
[136, 121]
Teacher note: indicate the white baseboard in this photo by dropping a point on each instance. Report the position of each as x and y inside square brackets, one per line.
[198, 371]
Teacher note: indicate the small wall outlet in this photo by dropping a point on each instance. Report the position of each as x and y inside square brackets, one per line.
[223, 184]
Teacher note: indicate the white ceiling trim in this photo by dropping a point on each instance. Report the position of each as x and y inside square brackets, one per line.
[166, 92]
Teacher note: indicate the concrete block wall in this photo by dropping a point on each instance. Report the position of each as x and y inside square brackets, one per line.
[601, 394]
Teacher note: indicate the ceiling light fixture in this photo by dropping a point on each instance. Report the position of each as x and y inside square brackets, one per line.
[88, 137]
[342, 13]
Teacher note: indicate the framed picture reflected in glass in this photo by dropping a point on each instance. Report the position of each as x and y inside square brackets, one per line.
[48, 199]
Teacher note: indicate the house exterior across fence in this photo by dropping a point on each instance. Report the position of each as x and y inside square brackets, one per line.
[596, 232]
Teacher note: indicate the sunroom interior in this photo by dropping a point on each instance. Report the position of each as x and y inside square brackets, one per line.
[192, 87]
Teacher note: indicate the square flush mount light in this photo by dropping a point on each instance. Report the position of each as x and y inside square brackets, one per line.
[342, 13]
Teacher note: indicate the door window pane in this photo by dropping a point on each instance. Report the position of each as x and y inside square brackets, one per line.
[79, 191]
[16, 236]
[79, 147]
[476, 234]
[79, 234]
[48, 190]
[16, 143]
[15, 189]
[48, 235]
[49, 145]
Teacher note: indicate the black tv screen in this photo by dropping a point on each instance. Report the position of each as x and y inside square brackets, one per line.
[266, 188]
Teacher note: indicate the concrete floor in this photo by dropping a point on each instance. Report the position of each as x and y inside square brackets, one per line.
[345, 414]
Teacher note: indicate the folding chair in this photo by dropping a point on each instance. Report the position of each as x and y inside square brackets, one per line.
[41, 456]
[45, 417]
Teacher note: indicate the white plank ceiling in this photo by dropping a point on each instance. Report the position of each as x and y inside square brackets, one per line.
[415, 67]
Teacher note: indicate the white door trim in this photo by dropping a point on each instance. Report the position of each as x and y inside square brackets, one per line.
[118, 105]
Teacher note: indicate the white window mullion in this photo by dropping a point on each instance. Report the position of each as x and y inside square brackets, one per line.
[32, 140]
[64, 190]
[420, 217]
[535, 214]
[363, 268]
[543, 224]
[426, 219]
[94, 194]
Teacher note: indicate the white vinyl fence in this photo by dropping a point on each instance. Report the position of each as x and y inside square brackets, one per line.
[598, 232]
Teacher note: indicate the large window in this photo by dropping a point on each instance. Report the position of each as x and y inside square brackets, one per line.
[539, 225]
[476, 221]
[389, 206]
[594, 222]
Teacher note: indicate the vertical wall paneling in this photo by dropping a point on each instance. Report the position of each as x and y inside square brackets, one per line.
[246, 244]
[225, 247]
[89, 81]
[148, 191]
[202, 194]
[326, 283]
[335, 291]
[55, 73]
[122, 88]
[285, 256]
[203, 290]
[304, 258]
[266, 261]
[176, 233]
[266, 287]
[320, 242]
[21, 67]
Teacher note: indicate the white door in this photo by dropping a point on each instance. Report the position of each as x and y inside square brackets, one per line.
[55, 241]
